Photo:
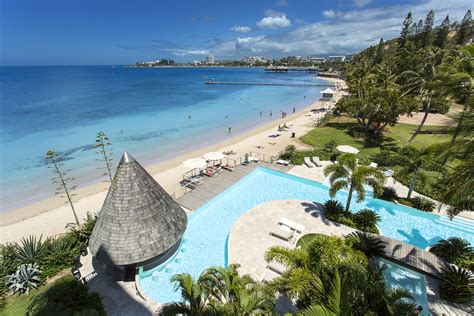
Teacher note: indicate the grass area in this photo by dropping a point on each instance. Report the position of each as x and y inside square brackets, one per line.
[397, 135]
[305, 240]
[17, 305]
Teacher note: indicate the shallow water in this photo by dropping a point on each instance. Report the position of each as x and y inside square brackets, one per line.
[145, 111]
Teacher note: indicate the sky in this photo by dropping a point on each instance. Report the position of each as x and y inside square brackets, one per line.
[107, 32]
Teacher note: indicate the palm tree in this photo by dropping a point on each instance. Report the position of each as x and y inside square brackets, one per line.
[424, 82]
[457, 284]
[413, 161]
[452, 249]
[346, 174]
[369, 244]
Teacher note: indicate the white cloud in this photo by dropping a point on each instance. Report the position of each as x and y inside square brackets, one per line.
[361, 3]
[331, 13]
[274, 20]
[300, 21]
[187, 52]
[240, 29]
[281, 3]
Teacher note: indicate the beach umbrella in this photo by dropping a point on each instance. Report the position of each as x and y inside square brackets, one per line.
[347, 149]
[194, 163]
[213, 156]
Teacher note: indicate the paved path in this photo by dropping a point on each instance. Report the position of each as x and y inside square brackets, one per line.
[212, 187]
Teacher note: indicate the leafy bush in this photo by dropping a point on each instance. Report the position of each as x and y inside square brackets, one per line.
[371, 245]
[30, 250]
[423, 204]
[457, 284]
[388, 194]
[366, 220]
[333, 207]
[455, 250]
[59, 254]
[8, 263]
[24, 279]
[288, 153]
[66, 296]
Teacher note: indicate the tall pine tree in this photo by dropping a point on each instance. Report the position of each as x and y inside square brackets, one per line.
[406, 30]
[428, 29]
[379, 53]
[465, 28]
[442, 35]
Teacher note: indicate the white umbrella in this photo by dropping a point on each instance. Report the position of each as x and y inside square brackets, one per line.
[194, 163]
[213, 156]
[347, 149]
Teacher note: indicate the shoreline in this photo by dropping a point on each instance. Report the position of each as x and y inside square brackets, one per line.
[49, 217]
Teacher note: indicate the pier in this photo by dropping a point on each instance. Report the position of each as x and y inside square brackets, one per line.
[283, 84]
[290, 69]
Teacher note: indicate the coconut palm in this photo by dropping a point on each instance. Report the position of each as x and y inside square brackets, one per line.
[424, 82]
[453, 249]
[346, 174]
[456, 284]
[369, 244]
[413, 162]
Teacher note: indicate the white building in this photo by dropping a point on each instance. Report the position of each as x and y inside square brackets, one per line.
[316, 60]
[337, 58]
[210, 59]
[251, 60]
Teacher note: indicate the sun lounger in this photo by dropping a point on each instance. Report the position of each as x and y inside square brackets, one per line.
[208, 172]
[292, 225]
[308, 162]
[389, 173]
[283, 162]
[373, 165]
[251, 158]
[269, 275]
[276, 267]
[282, 234]
[228, 167]
[275, 135]
[317, 162]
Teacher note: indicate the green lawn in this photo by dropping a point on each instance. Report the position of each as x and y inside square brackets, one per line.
[397, 135]
[306, 239]
[17, 305]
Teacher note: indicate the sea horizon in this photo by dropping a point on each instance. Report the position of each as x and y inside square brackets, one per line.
[143, 111]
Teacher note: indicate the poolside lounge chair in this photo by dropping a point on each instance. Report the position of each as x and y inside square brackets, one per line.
[292, 225]
[227, 167]
[283, 162]
[282, 234]
[276, 267]
[251, 158]
[269, 275]
[317, 162]
[209, 172]
[308, 162]
[373, 165]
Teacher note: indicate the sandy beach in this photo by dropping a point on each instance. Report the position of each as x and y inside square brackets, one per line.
[50, 217]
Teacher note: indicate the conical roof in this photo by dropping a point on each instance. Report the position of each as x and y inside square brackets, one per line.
[138, 220]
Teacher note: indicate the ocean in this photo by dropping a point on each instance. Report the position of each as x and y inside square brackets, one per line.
[154, 113]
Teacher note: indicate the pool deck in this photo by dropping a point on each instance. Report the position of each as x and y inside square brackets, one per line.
[212, 187]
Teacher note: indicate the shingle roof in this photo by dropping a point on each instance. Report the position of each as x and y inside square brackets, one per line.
[138, 220]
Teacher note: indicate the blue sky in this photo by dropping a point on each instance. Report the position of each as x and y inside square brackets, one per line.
[93, 32]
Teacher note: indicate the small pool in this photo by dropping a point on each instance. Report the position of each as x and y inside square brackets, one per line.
[398, 276]
[204, 242]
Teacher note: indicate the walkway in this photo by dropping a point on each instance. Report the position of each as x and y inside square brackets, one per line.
[212, 187]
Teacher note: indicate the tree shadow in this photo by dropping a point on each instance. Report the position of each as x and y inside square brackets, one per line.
[416, 238]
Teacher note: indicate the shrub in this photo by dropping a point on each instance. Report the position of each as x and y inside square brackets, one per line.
[59, 254]
[8, 263]
[455, 250]
[24, 279]
[423, 204]
[345, 221]
[288, 153]
[388, 194]
[30, 250]
[366, 220]
[371, 245]
[333, 207]
[456, 284]
[66, 296]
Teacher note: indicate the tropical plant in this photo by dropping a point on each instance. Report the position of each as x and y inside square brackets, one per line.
[454, 250]
[61, 179]
[366, 220]
[423, 204]
[59, 254]
[101, 142]
[30, 250]
[289, 152]
[388, 194]
[66, 296]
[346, 174]
[85, 231]
[370, 245]
[333, 207]
[456, 284]
[24, 279]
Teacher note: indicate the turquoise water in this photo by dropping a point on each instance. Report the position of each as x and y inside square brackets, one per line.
[145, 111]
[412, 281]
[205, 239]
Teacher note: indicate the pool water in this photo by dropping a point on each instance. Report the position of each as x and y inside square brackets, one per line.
[204, 243]
[398, 276]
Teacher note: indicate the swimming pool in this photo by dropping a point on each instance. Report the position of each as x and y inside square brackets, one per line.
[398, 276]
[204, 242]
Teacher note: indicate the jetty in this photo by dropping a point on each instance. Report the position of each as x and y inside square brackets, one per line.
[283, 84]
[283, 69]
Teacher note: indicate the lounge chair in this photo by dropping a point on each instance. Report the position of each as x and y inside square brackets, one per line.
[228, 167]
[373, 165]
[251, 158]
[276, 267]
[209, 172]
[317, 162]
[269, 275]
[292, 225]
[275, 135]
[308, 162]
[283, 162]
[282, 234]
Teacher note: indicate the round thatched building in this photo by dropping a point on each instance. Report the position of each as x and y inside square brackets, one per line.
[139, 222]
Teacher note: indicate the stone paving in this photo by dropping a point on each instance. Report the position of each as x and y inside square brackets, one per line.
[250, 236]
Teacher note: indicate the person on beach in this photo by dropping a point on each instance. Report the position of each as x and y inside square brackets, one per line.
[261, 113]
[189, 116]
[294, 110]
[270, 114]
[230, 130]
